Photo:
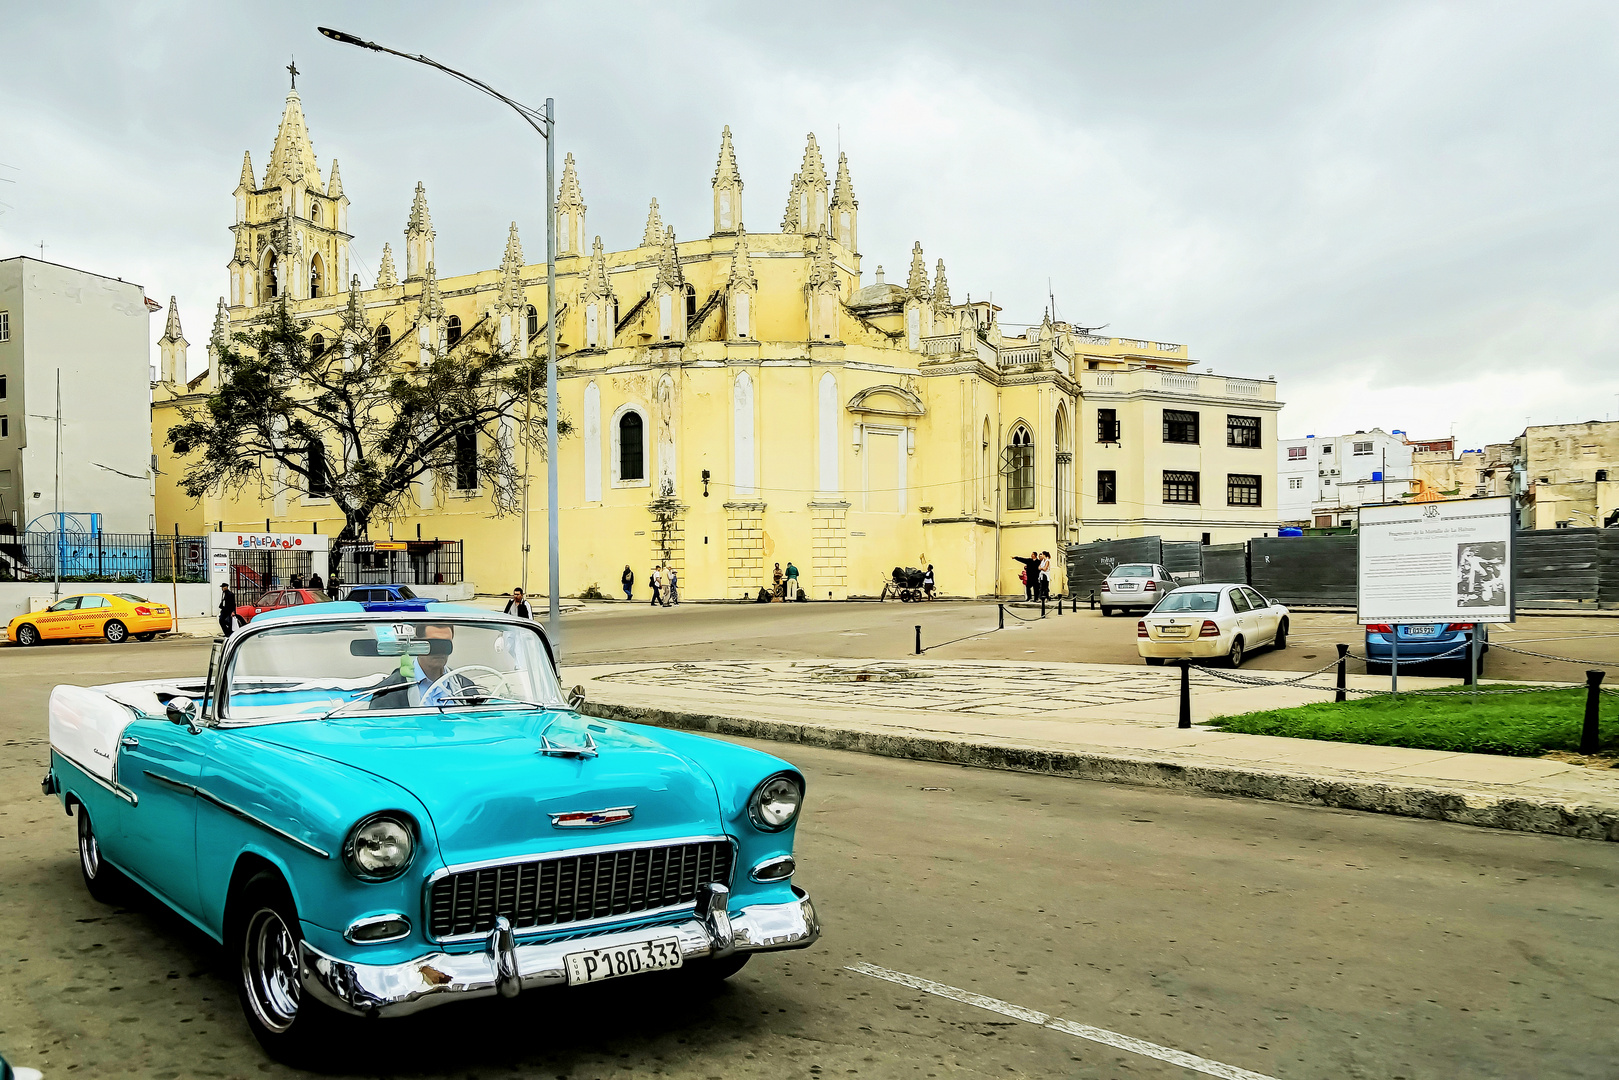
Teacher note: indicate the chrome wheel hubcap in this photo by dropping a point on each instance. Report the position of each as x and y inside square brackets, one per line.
[89, 850]
[270, 970]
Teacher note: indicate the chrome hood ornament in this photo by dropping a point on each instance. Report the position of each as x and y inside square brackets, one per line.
[593, 819]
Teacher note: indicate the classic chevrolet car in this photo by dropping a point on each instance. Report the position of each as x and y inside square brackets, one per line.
[376, 815]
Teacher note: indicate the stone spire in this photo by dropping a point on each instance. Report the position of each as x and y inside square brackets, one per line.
[941, 290]
[171, 349]
[510, 291]
[596, 285]
[822, 293]
[727, 188]
[792, 218]
[917, 283]
[741, 265]
[845, 207]
[813, 187]
[653, 235]
[596, 297]
[669, 274]
[418, 236]
[570, 212]
[219, 338]
[387, 276]
[823, 271]
[334, 185]
[432, 302]
[354, 319]
[247, 182]
[293, 158]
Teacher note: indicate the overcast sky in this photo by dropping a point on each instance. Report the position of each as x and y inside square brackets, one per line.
[1406, 213]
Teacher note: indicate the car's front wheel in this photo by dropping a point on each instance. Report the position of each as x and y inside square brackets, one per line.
[27, 635]
[265, 941]
[1281, 635]
[104, 881]
[1234, 657]
[115, 632]
[714, 972]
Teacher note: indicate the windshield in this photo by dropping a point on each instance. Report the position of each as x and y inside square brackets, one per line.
[131, 597]
[1132, 570]
[404, 592]
[1187, 600]
[300, 672]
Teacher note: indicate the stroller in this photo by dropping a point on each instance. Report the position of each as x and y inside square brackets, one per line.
[906, 584]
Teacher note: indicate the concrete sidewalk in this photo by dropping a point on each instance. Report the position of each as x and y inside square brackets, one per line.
[1101, 722]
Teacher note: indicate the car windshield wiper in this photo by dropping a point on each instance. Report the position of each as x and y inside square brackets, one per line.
[363, 695]
[485, 699]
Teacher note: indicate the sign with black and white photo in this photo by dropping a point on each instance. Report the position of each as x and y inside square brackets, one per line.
[1436, 562]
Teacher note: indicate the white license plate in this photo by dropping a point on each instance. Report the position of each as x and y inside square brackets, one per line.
[600, 964]
[1425, 630]
[1124, 588]
[1172, 631]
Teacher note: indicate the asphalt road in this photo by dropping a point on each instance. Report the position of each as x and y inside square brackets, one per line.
[1286, 941]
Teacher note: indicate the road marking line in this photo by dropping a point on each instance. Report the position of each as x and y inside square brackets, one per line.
[1067, 1027]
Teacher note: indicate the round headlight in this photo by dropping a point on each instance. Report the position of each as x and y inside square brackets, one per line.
[379, 848]
[776, 801]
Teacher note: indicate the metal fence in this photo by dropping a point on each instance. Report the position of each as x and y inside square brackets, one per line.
[103, 556]
[404, 562]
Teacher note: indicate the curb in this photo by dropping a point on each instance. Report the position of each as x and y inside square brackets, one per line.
[1511, 813]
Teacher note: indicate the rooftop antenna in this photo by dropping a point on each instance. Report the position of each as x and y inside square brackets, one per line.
[42, 251]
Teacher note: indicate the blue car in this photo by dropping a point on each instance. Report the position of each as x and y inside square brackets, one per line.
[375, 816]
[388, 598]
[1423, 641]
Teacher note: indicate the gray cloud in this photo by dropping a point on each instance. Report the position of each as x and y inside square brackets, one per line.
[1405, 212]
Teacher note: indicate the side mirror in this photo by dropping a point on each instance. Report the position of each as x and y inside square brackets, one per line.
[183, 710]
[576, 697]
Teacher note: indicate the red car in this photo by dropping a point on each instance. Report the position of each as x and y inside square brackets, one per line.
[281, 598]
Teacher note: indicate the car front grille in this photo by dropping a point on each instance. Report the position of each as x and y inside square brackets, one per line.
[565, 889]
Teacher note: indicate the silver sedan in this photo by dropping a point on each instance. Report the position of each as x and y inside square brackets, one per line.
[1134, 585]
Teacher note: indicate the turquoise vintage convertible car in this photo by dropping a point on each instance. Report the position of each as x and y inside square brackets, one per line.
[379, 812]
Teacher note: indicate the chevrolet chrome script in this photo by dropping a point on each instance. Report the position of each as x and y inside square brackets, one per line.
[591, 819]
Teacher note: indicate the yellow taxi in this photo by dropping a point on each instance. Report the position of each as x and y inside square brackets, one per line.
[114, 616]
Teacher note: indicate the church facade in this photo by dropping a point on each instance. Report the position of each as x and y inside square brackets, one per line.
[741, 398]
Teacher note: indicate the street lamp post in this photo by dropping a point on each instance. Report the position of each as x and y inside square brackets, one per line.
[544, 122]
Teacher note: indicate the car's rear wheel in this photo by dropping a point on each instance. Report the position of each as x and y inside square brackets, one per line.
[1234, 657]
[103, 881]
[1374, 667]
[115, 632]
[265, 940]
[1281, 635]
[148, 636]
[27, 635]
[1106, 611]
[1154, 661]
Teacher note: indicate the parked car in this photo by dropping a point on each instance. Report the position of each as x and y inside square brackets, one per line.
[388, 598]
[114, 616]
[1205, 621]
[18, 1072]
[276, 599]
[377, 816]
[1134, 585]
[1421, 641]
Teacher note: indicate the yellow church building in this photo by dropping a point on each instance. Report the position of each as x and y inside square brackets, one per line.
[742, 399]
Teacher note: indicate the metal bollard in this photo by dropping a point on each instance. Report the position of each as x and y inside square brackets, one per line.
[1093, 599]
[1186, 695]
[919, 641]
[1001, 608]
[1590, 736]
[1059, 603]
[1343, 683]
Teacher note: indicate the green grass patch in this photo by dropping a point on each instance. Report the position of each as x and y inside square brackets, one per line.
[1521, 725]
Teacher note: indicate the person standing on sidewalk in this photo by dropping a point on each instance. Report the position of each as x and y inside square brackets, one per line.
[655, 579]
[518, 606]
[627, 579]
[674, 588]
[777, 580]
[1045, 576]
[792, 581]
[227, 609]
[927, 582]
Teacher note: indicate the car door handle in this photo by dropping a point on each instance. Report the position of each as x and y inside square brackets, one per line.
[129, 740]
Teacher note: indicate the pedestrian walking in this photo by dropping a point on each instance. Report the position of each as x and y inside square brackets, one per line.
[792, 581]
[927, 582]
[672, 595]
[315, 582]
[627, 579]
[227, 608]
[518, 606]
[655, 579]
[297, 581]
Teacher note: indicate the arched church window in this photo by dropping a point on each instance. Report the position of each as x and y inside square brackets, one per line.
[631, 452]
[452, 330]
[1020, 470]
[317, 345]
[691, 305]
[315, 282]
[314, 211]
[272, 286]
[533, 321]
[385, 338]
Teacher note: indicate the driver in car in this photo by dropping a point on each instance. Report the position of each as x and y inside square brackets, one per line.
[423, 687]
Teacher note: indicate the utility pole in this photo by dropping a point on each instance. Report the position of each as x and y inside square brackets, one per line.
[61, 543]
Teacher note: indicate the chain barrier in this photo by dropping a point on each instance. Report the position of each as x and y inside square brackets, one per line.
[1549, 656]
[1020, 618]
[1454, 654]
[1249, 680]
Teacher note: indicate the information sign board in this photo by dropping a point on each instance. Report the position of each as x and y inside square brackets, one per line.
[1437, 562]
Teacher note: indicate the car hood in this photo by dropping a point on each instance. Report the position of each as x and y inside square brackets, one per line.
[491, 793]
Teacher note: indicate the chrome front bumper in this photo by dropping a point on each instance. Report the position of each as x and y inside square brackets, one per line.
[505, 967]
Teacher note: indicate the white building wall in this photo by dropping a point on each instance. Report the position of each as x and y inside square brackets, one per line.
[94, 330]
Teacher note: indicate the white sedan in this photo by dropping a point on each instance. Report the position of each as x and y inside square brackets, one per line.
[1202, 621]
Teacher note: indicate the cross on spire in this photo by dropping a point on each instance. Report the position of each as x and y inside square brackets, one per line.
[292, 69]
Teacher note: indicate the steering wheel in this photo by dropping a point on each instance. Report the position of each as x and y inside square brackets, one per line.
[499, 688]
